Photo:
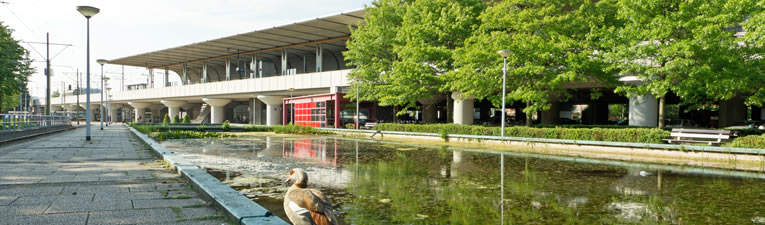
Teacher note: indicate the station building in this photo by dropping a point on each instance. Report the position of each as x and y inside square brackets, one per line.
[296, 74]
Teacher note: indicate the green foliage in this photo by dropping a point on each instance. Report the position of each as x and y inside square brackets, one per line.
[15, 68]
[444, 135]
[404, 47]
[686, 47]
[144, 129]
[350, 126]
[184, 134]
[226, 126]
[750, 141]
[292, 129]
[201, 128]
[257, 128]
[166, 120]
[186, 119]
[550, 45]
[638, 135]
[176, 119]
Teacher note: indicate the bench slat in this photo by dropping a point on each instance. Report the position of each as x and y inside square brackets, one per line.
[692, 135]
[700, 131]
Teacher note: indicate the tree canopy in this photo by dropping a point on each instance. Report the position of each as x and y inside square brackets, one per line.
[687, 47]
[14, 67]
[405, 47]
[702, 51]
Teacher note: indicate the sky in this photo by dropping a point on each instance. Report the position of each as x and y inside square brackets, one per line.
[126, 28]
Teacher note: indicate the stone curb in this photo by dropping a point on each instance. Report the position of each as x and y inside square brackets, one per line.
[237, 206]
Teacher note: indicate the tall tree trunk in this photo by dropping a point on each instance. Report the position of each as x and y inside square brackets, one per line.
[661, 111]
[528, 115]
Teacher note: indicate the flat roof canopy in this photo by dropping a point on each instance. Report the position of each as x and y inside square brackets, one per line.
[328, 29]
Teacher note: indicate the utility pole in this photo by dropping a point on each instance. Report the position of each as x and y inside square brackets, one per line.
[47, 73]
[79, 91]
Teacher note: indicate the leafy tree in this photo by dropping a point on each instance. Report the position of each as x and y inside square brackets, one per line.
[405, 47]
[551, 45]
[687, 47]
[14, 67]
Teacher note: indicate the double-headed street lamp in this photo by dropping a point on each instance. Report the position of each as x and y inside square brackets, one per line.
[504, 53]
[88, 12]
[102, 62]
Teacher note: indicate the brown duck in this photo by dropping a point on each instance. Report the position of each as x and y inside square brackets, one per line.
[306, 206]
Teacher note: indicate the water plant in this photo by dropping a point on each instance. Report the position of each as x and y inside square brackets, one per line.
[226, 126]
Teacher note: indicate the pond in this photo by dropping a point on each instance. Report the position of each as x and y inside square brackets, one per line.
[372, 182]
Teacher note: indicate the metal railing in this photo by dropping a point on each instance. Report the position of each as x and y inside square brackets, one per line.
[21, 122]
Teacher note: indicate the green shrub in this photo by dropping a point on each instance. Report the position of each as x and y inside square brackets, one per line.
[184, 134]
[257, 128]
[144, 129]
[226, 126]
[350, 126]
[186, 119]
[444, 135]
[750, 141]
[639, 135]
[176, 119]
[201, 128]
[292, 129]
[166, 120]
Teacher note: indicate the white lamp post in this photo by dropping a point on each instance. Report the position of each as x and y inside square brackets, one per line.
[88, 12]
[504, 53]
[109, 104]
[102, 62]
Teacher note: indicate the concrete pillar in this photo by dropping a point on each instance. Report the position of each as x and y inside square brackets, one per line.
[228, 68]
[173, 108]
[644, 111]
[273, 109]
[253, 66]
[429, 109]
[731, 112]
[216, 108]
[319, 56]
[463, 108]
[167, 77]
[284, 61]
[204, 72]
[255, 111]
[151, 78]
[156, 113]
[140, 110]
[185, 78]
[113, 110]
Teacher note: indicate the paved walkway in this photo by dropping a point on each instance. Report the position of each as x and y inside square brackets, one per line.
[61, 179]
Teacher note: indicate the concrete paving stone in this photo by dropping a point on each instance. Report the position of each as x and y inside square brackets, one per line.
[63, 219]
[157, 187]
[11, 210]
[85, 178]
[96, 189]
[195, 213]
[136, 216]
[28, 191]
[18, 180]
[6, 200]
[47, 199]
[192, 222]
[161, 203]
[127, 196]
[107, 205]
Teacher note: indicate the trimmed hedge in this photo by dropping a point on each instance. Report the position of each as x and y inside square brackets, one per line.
[751, 141]
[287, 129]
[185, 134]
[638, 135]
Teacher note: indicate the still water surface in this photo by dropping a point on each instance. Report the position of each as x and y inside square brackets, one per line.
[388, 183]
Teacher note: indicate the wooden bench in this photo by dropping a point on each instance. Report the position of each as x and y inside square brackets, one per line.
[711, 137]
[369, 125]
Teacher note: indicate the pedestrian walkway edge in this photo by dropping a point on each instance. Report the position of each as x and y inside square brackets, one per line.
[236, 205]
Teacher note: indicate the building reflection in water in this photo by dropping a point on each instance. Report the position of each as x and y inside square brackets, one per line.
[322, 150]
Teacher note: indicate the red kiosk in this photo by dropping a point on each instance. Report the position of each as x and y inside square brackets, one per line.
[326, 110]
